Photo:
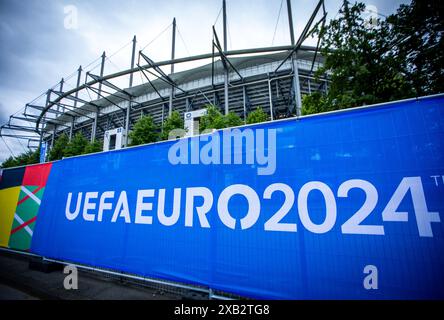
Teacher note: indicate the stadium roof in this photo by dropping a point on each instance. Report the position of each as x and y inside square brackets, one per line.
[240, 62]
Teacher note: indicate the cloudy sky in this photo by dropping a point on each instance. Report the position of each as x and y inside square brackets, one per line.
[40, 43]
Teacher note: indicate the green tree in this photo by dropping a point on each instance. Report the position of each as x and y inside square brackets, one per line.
[92, 147]
[57, 151]
[144, 131]
[76, 146]
[416, 37]
[361, 62]
[316, 103]
[26, 158]
[34, 156]
[9, 163]
[214, 119]
[257, 116]
[173, 122]
[232, 120]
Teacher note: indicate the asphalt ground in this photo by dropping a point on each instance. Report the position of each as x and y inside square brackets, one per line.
[20, 282]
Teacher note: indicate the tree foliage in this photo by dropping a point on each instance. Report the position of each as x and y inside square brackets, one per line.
[232, 120]
[257, 116]
[92, 147]
[173, 122]
[144, 131]
[58, 150]
[417, 38]
[214, 119]
[9, 162]
[394, 58]
[62, 148]
[76, 146]
[26, 158]
[33, 156]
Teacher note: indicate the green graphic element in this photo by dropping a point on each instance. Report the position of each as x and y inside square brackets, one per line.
[24, 217]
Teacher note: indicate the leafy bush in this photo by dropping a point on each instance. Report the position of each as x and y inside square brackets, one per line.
[58, 149]
[173, 122]
[29, 157]
[62, 148]
[214, 119]
[92, 147]
[76, 146]
[257, 116]
[9, 162]
[144, 131]
[314, 103]
[232, 120]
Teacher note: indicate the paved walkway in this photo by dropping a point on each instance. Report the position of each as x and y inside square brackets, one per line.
[9, 293]
[18, 282]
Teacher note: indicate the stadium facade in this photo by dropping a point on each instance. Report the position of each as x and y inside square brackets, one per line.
[274, 78]
[257, 89]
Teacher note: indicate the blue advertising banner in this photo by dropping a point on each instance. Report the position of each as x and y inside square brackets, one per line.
[335, 206]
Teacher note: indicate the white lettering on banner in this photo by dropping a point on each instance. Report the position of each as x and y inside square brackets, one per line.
[171, 220]
[274, 223]
[254, 206]
[330, 205]
[103, 205]
[72, 215]
[199, 201]
[202, 210]
[122, 209]
[424, 218]
[353, 225]
[142, 206]
[89, 205]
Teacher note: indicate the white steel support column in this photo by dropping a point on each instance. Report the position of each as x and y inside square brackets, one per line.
[48, 99]
[96, 115]
[71, 128]
[244, 99]
[173, 49]
[294, 61]
[226, 79]
[79, 74]
[94, 125]
[128, 109]
[53, 136]
[297, 86]
[187, 104]
[271, 99]
[60, 90]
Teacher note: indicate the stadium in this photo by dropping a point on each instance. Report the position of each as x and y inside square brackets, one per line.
[297, 206]
[273, 78]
